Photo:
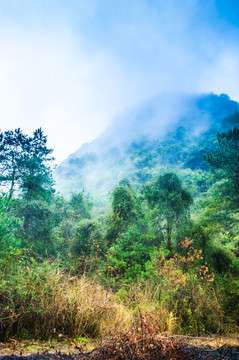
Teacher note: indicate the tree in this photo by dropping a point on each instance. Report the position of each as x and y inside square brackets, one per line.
[8, 226]
[170, 201]
[224, 161]
[81, 205]
[24, 164]
[87, 238]
[37, 227]
[126, 206]
[25, 168]
[123, 203]
[11, 151]
[87, 245]
[126, 258]
[35, 170]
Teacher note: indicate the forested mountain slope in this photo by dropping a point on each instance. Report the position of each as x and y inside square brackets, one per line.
[170, 130]
[158, 231]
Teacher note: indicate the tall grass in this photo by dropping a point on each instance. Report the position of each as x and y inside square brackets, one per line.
[191, 310]
[40, 301]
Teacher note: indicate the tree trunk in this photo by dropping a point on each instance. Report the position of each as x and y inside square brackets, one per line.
[169, 233]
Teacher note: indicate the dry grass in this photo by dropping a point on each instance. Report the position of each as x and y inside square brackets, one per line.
[141, 298]
[42, 302]
[89, 310]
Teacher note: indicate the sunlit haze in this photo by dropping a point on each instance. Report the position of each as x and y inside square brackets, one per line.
[71, 66]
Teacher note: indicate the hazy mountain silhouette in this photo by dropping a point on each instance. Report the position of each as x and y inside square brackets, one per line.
[168, 130]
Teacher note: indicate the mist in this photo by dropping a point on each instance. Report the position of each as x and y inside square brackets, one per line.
[163, 132]
[74, 67]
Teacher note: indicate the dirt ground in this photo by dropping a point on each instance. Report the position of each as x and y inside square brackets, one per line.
[25, 348]
[215, 347]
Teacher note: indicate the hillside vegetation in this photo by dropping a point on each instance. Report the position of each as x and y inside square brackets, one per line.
[173, 132]
[148, 226]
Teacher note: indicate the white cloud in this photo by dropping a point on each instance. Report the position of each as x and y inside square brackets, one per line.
[47, 80]
[222, 76]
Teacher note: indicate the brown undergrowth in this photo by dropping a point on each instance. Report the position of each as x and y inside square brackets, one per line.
[41, 302]
[145, 342]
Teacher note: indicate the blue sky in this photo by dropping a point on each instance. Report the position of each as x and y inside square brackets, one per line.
[70, 66]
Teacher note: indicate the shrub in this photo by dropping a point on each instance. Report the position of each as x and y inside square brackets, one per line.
[183, 286]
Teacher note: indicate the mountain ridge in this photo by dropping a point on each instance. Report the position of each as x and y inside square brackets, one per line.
[167, 129]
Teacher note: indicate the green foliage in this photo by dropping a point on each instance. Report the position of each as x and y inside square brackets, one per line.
[125, 260]
[224, 161]
[127, 210]
[11, 152]
[36, 176]
[87, 238]
[170, 200]
[142, 152]
[81, 205]
[87, 246]
[229, 287]
[184, 285]
[124, 246]
[123, 203]
[25, 162]
[37, 222]
[8, 226]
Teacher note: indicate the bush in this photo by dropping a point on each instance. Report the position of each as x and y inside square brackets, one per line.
[183, 287]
